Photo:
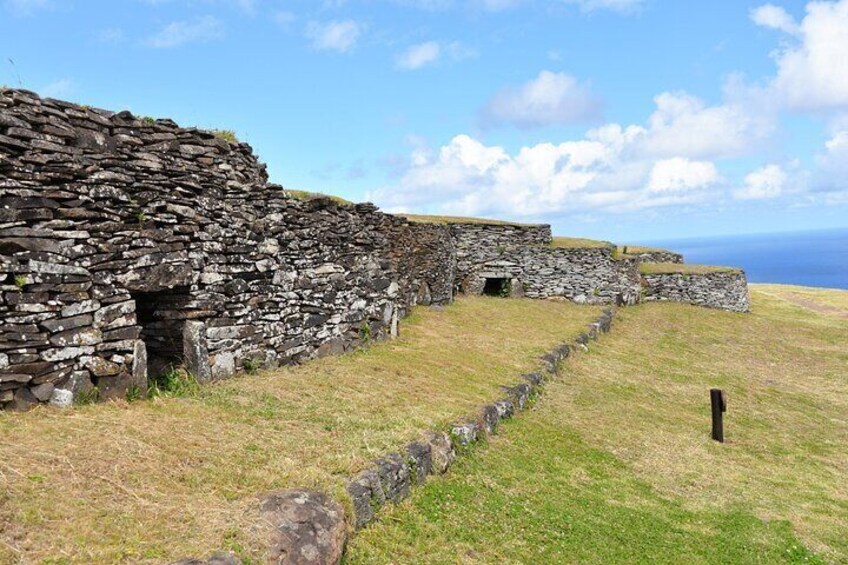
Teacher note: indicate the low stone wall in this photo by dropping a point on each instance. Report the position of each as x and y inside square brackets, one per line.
[584, 275]
[478, 243]
[658, 256]
[309, 528]
[727, 290]
[391, 478]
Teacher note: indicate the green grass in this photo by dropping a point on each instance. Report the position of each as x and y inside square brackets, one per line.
[430, 219]
[225, 134]
[153, 481]
[631, 250]
[579, 243]
[306, 195]
[683, 268]
[615, 465]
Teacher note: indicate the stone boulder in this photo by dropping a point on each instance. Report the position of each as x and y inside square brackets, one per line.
[308, 528]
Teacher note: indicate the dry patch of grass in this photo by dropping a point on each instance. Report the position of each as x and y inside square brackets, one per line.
[615, 463]
[821, 300]
[430, 219]
[579, 243]
[683, 269]
[307, 195]
[636, 249]
[149, 482]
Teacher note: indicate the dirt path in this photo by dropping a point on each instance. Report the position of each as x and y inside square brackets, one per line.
[805, 302]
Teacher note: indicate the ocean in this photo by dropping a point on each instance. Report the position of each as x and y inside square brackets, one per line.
[814, 258]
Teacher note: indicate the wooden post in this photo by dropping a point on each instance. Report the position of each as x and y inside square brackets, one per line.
[719, 407]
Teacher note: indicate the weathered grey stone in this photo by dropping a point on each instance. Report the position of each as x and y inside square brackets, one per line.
[534, 379]
[100, 367]
[308, 528]
[43, 392]
[489, 418]
[419, 459]
[223, 365]
[395, 476]
[465, 434]
[196, 353]
[442, 454]
[366, 493]
[519, 394]
[61, 398]
[139, 366]
[505, 408]
[24, 400]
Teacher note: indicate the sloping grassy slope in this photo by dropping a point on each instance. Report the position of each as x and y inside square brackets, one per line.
[615, 464]
[154, 481]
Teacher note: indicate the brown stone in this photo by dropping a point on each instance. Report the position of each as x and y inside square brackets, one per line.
[308, 528]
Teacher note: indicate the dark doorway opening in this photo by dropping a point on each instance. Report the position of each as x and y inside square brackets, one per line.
[161, 315]
[497, 287]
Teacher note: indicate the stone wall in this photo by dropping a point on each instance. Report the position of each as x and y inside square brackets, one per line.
[584, 275]
[478, 243]
[128, 245]
[727, 290]
[123, 238]
[424, 255]
[658, 256]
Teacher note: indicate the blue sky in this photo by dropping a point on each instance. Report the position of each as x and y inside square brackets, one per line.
[632, 120]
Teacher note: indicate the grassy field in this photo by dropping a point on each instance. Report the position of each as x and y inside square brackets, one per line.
[579, 243]
[154, 481]
[615, 465]
[682, 268]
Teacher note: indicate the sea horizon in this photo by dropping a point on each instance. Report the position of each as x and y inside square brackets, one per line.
[815, 258]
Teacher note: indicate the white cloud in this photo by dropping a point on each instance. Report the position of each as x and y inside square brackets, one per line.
[667, 161]
[339, 35]
[551, 98]
[419, 56]
[774, 17]
[180, 33]
[682, 175]
[431, 52]
[812, 70]
[766, 182]
[684, 125]
[598, 172]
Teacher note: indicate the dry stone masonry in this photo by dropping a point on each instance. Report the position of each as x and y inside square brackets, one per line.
[129, 245]
[727, 290]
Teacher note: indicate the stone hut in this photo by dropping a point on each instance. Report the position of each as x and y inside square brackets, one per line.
[129, 245]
